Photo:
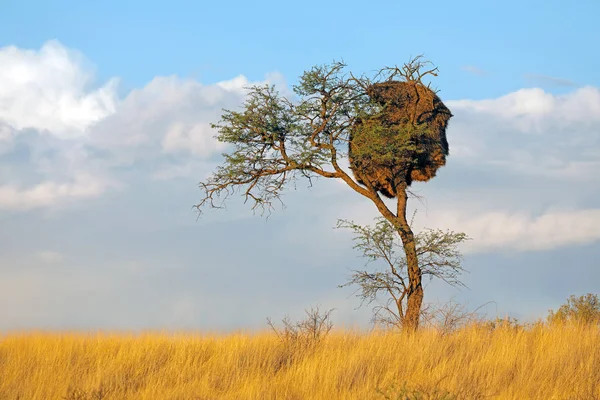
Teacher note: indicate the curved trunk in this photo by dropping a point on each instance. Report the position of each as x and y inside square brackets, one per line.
[415, 291]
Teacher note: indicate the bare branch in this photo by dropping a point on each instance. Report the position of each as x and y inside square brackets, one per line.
[308, 332]
[437, 251]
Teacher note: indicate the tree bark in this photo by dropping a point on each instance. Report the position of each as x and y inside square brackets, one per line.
[415, 290]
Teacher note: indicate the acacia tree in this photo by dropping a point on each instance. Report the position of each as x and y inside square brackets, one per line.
[276, 141]
[438, 254]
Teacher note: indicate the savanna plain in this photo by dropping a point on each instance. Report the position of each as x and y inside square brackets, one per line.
[479, 361]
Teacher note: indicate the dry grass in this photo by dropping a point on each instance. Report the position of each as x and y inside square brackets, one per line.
[476, 362]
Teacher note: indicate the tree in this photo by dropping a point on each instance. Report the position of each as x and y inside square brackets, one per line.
[583, 310]
[437, 252]
[274, 142]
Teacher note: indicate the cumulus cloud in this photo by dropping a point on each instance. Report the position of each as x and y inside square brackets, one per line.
[519, 231]
[197, 139]
[541, 153]
[548, 140]
[50, 90]
[491, 229]
[162, 130]
[164, 127]
[530, 132]
[171, 114]
[536, 109]
[71, 140]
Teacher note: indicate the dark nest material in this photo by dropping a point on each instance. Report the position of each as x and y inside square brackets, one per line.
[403, 143]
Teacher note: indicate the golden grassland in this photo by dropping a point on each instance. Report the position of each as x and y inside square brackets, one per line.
[540, 362]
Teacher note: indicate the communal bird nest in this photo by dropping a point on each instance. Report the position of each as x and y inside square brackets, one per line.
[404, 141]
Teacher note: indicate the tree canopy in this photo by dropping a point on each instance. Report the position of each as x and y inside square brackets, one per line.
[275, 141]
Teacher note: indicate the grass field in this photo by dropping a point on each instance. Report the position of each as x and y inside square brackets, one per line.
[541, 362]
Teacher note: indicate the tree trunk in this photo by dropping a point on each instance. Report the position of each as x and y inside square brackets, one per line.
[415, 291]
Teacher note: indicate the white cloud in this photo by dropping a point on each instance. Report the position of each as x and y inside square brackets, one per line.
[533, 110]
[237, 84]
[163, 130]
[50, 90]
[195, 139]
[491, 230]
[79, 139]
[7, 135]
[170, 117]
[169, 114]
[520, 231]
[50, 193]
[530, 132]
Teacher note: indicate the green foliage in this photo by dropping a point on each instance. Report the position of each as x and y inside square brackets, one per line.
[273, 141]
[396, 145]
[583, 310]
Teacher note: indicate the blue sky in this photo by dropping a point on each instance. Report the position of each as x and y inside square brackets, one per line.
[104, 133]
[214, 41]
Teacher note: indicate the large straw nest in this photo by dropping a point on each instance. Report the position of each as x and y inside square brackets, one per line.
[405, 142]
